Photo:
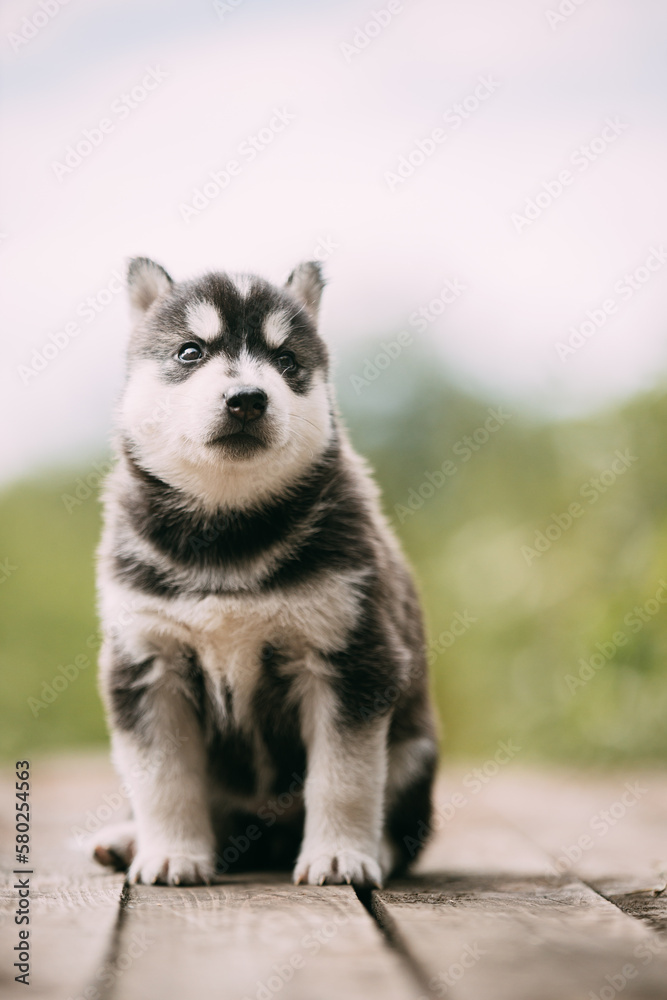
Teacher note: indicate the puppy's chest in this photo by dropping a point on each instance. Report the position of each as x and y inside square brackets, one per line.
[235, 644]
[239, 638]
[239, 649]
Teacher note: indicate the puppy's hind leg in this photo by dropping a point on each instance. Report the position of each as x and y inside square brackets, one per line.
[114, 845]
[412, 767]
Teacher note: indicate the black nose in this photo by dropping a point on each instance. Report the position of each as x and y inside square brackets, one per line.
[246, 404]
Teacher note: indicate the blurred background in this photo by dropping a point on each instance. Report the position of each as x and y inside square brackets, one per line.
[484, 184]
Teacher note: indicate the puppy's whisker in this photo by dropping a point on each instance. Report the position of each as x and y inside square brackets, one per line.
[299, 416]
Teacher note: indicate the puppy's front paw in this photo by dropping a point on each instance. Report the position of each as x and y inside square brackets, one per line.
[177, 865]
[336, 865]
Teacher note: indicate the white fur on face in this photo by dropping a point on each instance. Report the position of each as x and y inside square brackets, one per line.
[243, 283]
[189, 414]
[203, 319]
[276, 329]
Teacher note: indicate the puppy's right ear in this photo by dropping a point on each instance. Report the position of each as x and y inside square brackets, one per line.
[146, 280]
[306, 284]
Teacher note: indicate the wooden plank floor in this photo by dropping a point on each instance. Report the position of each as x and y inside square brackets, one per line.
[539, 885]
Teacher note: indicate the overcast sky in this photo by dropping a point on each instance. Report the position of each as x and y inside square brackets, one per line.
[504, 150]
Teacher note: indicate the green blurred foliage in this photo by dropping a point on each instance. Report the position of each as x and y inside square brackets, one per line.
[522, 669]
[47, 616]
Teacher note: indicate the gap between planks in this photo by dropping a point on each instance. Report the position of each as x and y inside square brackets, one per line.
[489, 914]
[487, 879]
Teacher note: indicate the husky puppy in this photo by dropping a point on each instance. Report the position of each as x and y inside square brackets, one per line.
[263, 662]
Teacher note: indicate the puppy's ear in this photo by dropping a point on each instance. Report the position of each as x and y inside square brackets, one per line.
[306, 284]
[146, 280]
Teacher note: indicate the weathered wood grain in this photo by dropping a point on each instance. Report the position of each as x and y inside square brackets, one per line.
[514, 938]
[649, 905]
[74, 903]
[595, 825]
[252, 939]
[507, 902]
[494, 920]
[474, 838]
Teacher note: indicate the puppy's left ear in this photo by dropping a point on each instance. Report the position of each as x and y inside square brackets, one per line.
[306, 284]
[146, 280]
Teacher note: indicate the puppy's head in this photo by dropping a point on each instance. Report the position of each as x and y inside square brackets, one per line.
[227, 396]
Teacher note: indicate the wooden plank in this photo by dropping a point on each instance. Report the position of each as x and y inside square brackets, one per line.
[74, 903]
[488, 914]
[645, 904]
[472, 838]
[597, 826]
[252, 939]
[522, 938]
[494, 924]
[608, 829]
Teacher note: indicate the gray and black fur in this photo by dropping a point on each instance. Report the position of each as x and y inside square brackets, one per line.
[263, 662]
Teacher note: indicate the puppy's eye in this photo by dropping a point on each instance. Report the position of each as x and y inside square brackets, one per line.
[189, 353]
[287, 362]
